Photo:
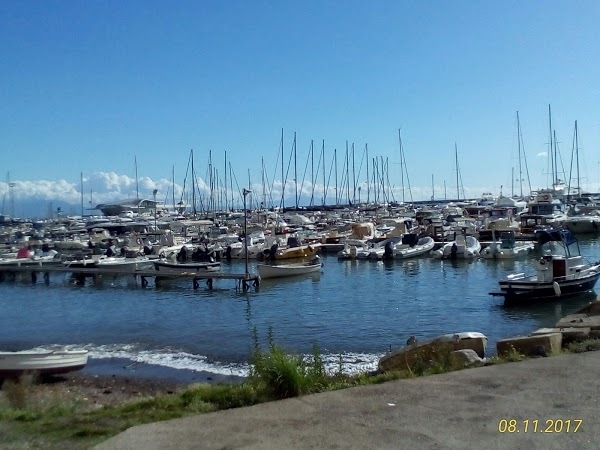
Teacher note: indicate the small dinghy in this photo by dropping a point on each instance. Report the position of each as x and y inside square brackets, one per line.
[463, 247]
[42, 361]
[288, 270]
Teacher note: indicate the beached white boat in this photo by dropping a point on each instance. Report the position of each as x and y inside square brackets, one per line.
[414, 350]
[412, 246]
[288, 270]
[42, 361]
[463, 247]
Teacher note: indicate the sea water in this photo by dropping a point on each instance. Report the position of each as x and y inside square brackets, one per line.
[353, 311]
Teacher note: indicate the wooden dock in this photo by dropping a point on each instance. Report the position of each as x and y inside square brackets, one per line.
[244, 281]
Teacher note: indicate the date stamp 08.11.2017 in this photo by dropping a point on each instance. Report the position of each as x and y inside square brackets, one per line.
[540, 426]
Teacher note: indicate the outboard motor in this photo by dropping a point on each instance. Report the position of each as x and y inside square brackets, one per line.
[228, 253]
[453, 251]
[273, 250]
[388, 251]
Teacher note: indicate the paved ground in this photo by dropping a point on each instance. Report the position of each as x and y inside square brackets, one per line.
[456, 410]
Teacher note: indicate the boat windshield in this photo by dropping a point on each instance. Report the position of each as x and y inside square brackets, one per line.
[559, 248]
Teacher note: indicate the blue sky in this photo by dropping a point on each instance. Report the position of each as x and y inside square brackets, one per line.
[88, 86]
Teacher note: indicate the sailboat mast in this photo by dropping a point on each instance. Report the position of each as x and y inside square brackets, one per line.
[432, 188]
[264, 192]
[282, 176]
[226, 203]
[368, 180]
[137, 190]
[173, 187]
[577, 158]
[324, 191]
[336, 175]
[353, 177]
[296, 170]
[347, 175]
[312, 171]
[81, 178]
[401, 165]
[193, 185]
[550, 148]
[519, 146]
[456, 162]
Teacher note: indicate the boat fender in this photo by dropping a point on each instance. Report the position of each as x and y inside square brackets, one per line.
[556, 288]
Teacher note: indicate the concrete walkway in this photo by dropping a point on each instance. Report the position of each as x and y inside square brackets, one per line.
[455, 410]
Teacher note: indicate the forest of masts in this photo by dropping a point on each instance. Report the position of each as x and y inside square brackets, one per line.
[361, 179]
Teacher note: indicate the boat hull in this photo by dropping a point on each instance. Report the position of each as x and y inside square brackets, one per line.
[42, 362]
[164, 267]
[286, 270]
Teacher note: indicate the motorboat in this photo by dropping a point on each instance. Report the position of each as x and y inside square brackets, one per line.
[561, 272]
[589, 224]
[287, 270]
[29, 259]
[413, 246]
[463, 247]
[384, 249]
[414, 350]
[42, 361]
[126, 265]
[507, 248]
[352, 248]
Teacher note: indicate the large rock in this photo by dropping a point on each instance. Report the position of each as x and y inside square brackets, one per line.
[424, 352]
[570, 334]
[531, 345]
[467, 357]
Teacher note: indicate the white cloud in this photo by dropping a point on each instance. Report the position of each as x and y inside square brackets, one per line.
[542, 155]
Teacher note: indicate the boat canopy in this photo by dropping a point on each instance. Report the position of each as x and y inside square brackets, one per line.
[556, 235]
[563, 238]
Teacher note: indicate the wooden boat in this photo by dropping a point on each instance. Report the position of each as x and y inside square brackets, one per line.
[288, 270]
[172, 267]
[414, 351]
[42, 361]
[561, 272]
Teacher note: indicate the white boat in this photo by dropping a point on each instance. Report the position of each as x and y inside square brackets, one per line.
[561, 272]
[507, 247]
[49, 259]
[170, 267]
[414, 350]
[583, 224]
[412, 246]
[463, 247]
[352, 248]
[288, 270]
[126, 265]
[43, 361]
